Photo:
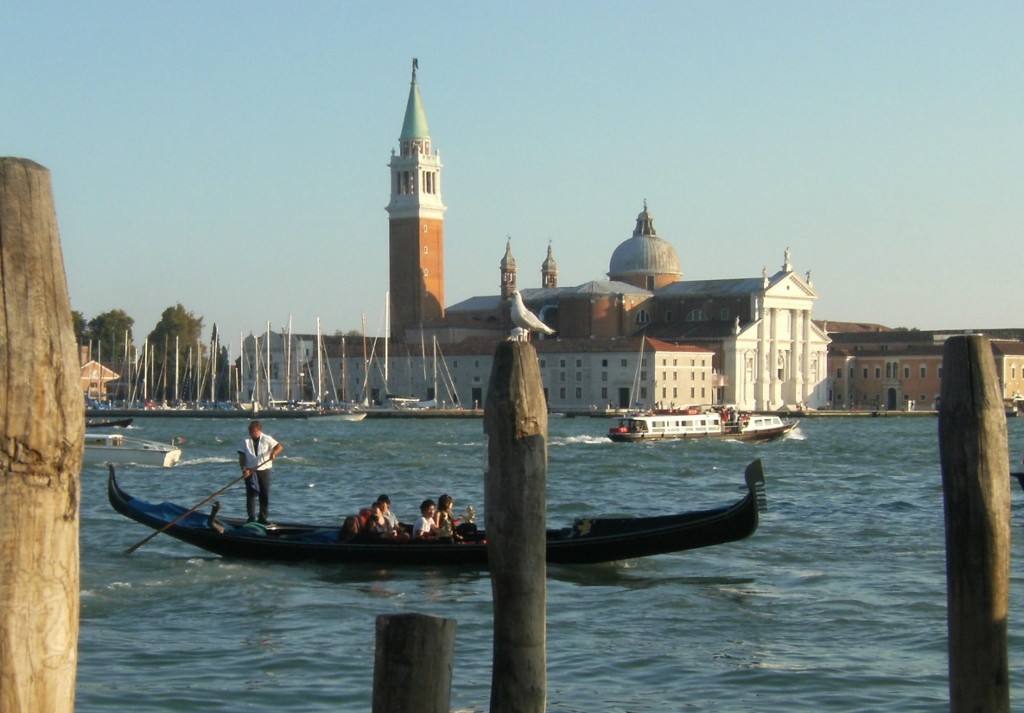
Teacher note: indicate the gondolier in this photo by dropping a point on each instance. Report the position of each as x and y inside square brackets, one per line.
[256, 456]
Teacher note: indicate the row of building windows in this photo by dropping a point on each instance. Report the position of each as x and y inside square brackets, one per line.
[694, 315]
[891, 372]
[623, 362]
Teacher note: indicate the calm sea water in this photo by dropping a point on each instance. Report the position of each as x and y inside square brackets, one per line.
[837, 603]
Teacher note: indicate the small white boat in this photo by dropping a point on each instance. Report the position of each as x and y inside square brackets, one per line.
[697, 423]
[117, 448]
[342, 415]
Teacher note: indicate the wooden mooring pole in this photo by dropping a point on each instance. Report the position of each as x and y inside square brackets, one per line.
[412, 667]
[515, 498]
[976, 492]
[42, 422]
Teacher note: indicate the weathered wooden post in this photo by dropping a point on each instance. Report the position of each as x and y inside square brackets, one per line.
[976, 491]
[42, 420]
[412, 666]
[515, 496]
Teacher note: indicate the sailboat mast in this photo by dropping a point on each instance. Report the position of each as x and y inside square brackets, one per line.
[319, 364]
[344, 372]
[288, 365]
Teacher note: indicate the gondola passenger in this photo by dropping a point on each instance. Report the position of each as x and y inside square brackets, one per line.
[425, 527]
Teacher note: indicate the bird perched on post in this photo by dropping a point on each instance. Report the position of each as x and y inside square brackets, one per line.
[525, 319]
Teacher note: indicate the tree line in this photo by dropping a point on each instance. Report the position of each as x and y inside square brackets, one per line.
[172, 364]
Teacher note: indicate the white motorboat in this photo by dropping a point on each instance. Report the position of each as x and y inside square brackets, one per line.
[117, 448]
[700, 423]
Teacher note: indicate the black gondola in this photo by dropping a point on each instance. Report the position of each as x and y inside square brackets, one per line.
[587, 541]
[108, 422]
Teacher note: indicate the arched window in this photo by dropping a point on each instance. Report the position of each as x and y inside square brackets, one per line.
[697, 315]
[643, 316]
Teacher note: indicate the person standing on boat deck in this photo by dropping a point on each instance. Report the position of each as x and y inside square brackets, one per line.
[258, 451]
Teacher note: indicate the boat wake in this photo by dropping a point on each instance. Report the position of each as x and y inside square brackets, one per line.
[574, 440]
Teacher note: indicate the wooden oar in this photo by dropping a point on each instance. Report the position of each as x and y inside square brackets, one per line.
[185, 514]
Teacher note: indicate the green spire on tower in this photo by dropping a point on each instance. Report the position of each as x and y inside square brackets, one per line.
[415, 124]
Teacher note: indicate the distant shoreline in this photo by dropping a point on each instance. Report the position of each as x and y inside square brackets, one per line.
[447, 413]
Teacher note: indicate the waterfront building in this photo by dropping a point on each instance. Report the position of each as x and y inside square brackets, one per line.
[877, 368]
[577, 375]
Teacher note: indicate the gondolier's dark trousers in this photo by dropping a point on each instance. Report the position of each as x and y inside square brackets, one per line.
[258, 487]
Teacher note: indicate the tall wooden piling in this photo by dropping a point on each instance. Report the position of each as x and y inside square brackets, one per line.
[412, 668]
[515, 496]
[41, 429]
[976, 491]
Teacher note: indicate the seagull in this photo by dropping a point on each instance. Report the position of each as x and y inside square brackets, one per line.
[525, 319]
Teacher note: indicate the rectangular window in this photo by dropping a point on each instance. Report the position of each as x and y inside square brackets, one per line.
[604, 362]
[561, 363]
[839, 373]
[693, 392]
[561, 393]
[865, 374]
[906, 372]
[924, 371]
[878, 372]
[579, 393]
[604, 376]
[579, 363]
[624, 363]
[561, 376]
[579, 376]
[604, 393]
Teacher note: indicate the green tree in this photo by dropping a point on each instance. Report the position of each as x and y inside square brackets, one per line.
[81, 326]
[110, 331]
[175, 337]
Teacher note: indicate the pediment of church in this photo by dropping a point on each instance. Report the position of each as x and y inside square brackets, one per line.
[791, 285]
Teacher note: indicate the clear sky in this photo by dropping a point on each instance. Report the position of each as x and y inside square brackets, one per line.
[232, 156]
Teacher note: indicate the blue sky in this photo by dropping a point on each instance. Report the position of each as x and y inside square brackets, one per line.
[232, 156]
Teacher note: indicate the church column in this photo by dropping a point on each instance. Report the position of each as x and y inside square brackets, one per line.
[761, 367]
[773, 361]
[807, 386]
[797, 351]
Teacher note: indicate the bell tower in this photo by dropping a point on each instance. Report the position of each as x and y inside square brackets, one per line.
[549, 270]
[416, 223]
[508, 272]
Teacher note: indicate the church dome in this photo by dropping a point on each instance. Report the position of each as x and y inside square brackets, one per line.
[645, 255]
